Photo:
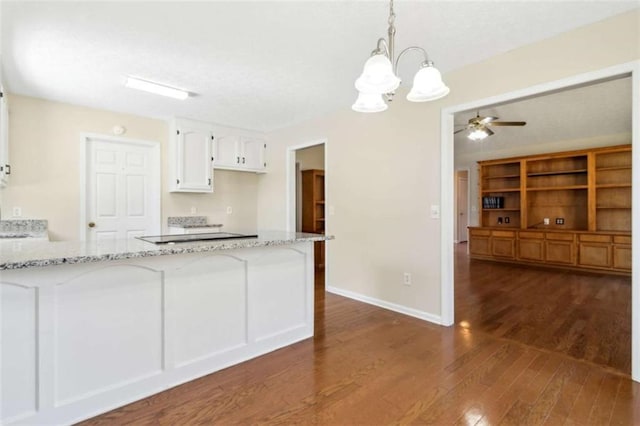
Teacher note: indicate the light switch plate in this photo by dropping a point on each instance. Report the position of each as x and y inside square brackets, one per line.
[435, 211]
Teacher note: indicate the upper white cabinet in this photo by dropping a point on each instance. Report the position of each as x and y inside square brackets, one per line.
[5, 167]
[234, 149]
[190, 156]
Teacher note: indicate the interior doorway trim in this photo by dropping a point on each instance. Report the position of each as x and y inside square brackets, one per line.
[455, 207]
[290, 170]
[291, 180]
[447, 184]
[155, 186]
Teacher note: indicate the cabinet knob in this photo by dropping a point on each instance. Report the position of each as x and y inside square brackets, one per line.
[91, 224]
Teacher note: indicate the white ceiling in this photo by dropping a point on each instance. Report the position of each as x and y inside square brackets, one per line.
[260, 65]
[602, 109]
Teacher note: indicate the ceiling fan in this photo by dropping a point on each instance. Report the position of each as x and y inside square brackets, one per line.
[478, 126]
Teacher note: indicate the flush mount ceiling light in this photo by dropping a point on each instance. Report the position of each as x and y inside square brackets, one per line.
[158, 89]
[379, 77]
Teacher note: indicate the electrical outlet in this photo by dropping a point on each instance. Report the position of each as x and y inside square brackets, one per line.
[332, 210]
[507, 220]
[500, 221]
[545, 220]
[17, 212]
[194, 210]
[229, 210]
[559, 220]
[407, 278]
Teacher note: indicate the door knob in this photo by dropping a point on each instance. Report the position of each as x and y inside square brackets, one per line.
[92, 224]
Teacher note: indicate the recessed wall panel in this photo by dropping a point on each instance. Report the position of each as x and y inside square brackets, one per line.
[18, 319]
[210, 307]
[108, 330]
[278, 296]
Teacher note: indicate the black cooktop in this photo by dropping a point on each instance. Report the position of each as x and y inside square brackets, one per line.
[186, 238]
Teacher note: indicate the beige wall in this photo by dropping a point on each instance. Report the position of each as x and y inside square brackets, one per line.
[311, 158]
[44, 143]
[383, 170]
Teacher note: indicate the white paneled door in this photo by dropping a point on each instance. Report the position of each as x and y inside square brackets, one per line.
[122, 189]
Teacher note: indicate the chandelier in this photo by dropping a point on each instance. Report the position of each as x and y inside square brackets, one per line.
[379, 77]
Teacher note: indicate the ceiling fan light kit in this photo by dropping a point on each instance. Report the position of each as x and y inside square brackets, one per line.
[478, 126]
[379, 76]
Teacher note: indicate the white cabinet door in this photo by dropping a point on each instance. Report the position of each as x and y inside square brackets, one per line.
[5, 168]
[252, 153]
[193, 158]
[238, 150]
[226, 151]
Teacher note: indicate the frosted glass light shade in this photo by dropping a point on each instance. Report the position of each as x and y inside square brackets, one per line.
[377, 76]
[478, 134]
[369, 102]
[427, 85]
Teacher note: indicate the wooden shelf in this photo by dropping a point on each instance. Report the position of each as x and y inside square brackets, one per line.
[487, 191]
[558, 188]
[613, 208]
[613, 185]
[608, 169]
[504, 210]
[313, 210]
[502, 177]
[559, 172]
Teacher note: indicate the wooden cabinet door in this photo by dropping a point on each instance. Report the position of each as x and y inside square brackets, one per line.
[595, 251]
[557, 251]
[531, 246]
[479, 242]
[503, 244]
[597, 255]
[622, 257]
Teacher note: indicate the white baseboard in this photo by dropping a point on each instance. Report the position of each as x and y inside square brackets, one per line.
[426, 316]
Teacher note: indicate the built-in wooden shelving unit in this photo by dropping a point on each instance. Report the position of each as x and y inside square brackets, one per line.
[580, 200]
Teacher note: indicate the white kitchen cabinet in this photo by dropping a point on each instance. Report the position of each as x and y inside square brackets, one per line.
[234, 150]
[5, 167]
[190, 156]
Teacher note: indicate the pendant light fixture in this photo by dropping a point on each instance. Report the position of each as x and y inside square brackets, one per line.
[379, 78]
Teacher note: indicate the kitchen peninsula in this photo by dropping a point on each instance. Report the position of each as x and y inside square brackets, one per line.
[87, 327]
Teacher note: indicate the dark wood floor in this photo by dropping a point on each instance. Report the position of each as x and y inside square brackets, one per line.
[371, 366]
[585, 316]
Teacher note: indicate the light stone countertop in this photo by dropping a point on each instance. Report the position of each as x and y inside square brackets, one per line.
[28, 254]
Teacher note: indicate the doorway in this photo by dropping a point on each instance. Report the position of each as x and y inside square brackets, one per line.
[462, 206]
[120, 188]
[307, 199]
[448, 182]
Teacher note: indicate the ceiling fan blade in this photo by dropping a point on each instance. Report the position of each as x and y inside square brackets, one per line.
[461, 130]
[506, 123]
[489, 131]
[486, 120]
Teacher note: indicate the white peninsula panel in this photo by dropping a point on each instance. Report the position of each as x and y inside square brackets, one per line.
[83, 338]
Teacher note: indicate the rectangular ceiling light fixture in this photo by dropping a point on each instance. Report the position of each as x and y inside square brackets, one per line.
[158, 89]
